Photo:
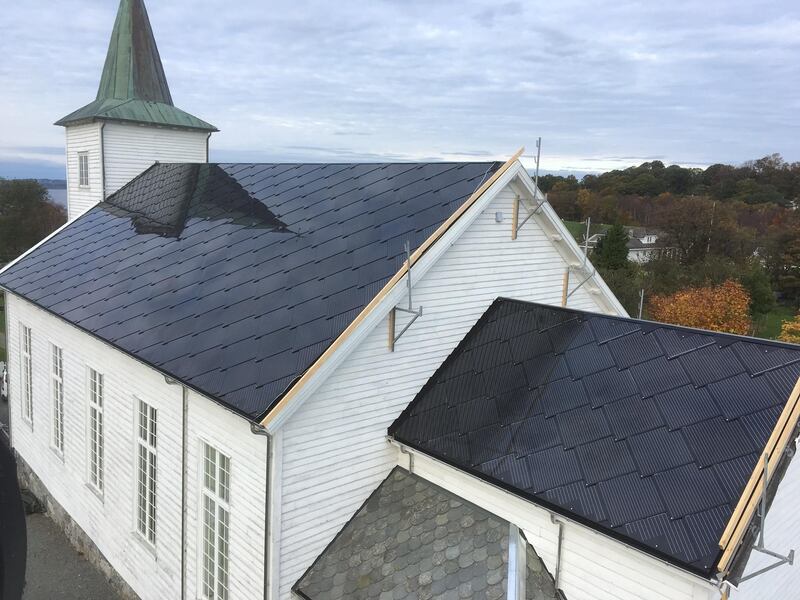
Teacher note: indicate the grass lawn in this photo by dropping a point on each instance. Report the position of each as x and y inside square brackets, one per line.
[769, 325]
[578, 230]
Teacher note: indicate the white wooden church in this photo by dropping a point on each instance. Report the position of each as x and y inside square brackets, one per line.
[397, 380]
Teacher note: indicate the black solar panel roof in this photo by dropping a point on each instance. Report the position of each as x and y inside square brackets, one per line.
[646, 431]
[235, 278]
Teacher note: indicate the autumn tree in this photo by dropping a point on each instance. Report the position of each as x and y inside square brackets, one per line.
[723, 308]
[790, 330]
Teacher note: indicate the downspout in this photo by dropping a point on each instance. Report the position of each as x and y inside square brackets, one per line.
[257, 429]
[558, 548]
[184, 476]
[8, 367]
[208, 140]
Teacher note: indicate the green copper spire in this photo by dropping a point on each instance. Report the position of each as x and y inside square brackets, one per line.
[133, 67]
[133, 86]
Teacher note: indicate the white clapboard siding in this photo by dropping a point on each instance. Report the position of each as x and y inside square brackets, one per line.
[83, 138]
[781, 534]
[130, 149]
[593, 566]
[334, 447]
[109, 522]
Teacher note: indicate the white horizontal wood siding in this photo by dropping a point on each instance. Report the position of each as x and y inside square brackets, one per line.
[110, 521]
[130, 149]
[334, 447]
[593, 566]
[781, 534]
[83, 138]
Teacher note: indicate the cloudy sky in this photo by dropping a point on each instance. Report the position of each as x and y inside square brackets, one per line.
[605, 84]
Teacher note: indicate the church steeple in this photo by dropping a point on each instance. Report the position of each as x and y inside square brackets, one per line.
[132, 122]
[133, 67]
[133, 86]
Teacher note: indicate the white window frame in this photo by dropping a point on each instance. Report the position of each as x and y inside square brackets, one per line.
[95, 427]
[83, 169]
[146, 471]
[26, 372]
[57, 398]
[215, 512]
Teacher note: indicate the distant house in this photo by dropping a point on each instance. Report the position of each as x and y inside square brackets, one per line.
[371, 381]
[643, 244]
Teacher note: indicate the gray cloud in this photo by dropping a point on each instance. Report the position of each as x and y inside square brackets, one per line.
[604, 83]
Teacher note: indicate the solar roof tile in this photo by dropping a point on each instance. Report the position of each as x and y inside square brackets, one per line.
[716, 440]
[686, 405]
[658, 375]
[658, 450]
[688, 489]
[629, 498]
[276, 232]
[604, 459]
[711, 364]
[632, 415]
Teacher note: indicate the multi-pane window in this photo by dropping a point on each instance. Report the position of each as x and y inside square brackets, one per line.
[27, 373]
[83, 169]
[57, 391]
[216, 523]
[96, 429]
[146, 456]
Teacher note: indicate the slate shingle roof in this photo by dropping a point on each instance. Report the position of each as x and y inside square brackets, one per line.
[414, 540]
[645, 431]
[235, 278]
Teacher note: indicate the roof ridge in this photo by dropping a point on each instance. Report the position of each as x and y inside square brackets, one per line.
[658, 324]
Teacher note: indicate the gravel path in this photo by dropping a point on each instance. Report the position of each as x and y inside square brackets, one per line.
[57, 570]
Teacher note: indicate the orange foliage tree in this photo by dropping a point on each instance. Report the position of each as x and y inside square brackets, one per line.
[790, 330]
[722, 308]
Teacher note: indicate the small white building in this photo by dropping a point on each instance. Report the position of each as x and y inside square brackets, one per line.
[304, 380]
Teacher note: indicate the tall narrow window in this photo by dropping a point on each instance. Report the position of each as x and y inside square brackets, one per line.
[27, 373]
[146, 497]
[96, 429]
[83, 169]
[57, 390]
[216, 523]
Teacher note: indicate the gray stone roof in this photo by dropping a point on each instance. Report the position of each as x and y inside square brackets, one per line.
[414, 540]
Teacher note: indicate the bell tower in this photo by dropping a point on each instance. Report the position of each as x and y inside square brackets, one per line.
[132, 122]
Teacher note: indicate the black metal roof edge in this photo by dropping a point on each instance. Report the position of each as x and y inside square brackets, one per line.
[733, 337]
[341, 530]
[553, 508]
[138, 359]
[491, 163]
[473, 331]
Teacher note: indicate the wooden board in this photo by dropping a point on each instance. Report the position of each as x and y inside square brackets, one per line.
[748, 502]
[415, 256]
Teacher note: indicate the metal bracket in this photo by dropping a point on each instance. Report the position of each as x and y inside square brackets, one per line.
[516, 226]
[759, 547]
[416, 314]
[584, 280]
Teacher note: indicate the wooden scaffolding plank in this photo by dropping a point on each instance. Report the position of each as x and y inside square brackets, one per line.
[748, 502]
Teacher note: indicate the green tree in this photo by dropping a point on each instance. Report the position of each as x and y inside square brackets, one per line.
[756, 281]
[26, 216]
[612, 249]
